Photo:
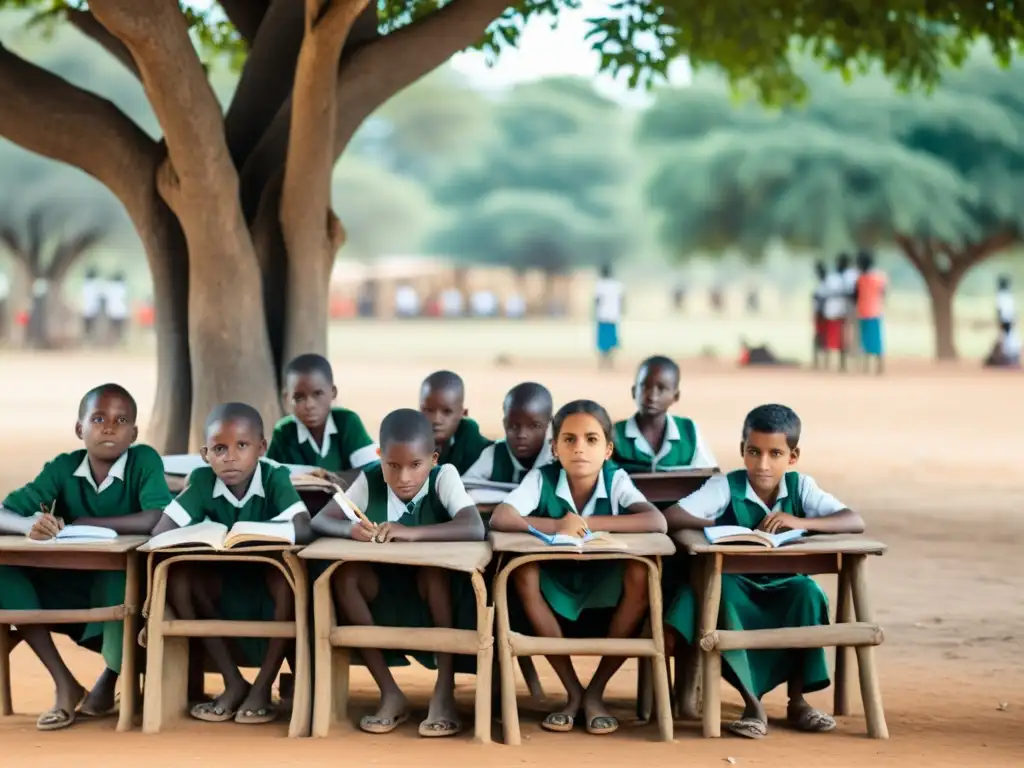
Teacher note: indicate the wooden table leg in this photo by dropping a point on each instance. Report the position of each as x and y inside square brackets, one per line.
[6, 705]
[299, 726]
[129, 645]
[844, 654]
[325, 709]
[688, 658]
[712, 660]
[656, 665]
[644, 689]
[509, 706]
[870, 691]
[484, 660]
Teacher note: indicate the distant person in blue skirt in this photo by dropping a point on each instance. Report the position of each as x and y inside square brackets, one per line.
[609, 300]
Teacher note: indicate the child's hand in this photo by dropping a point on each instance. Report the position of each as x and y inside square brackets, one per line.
[777, 522]
[573, 525]
[390, 532]
[331, 477]
[45, 527]
[363, 532]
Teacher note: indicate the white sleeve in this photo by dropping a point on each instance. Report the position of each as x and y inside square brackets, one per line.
[703, 458]
[358, 493]
[624, 493]
[451, 491]
[483, 467]
[526, 498]
[363, 456]
[710, 500]
[816, 502]
[177, 513]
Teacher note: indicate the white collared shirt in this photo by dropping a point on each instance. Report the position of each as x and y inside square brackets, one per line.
[526, 498]
[1005, 306]
[714, 497]
[450, 491]
[330, 428]
[484, 466]
[703, 458]
[116, 472]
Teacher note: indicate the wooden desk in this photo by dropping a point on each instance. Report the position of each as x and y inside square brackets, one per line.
[167, 638]
[842, 554]
[670, 487]
[117, 555]
[333, 643]
[524, 548]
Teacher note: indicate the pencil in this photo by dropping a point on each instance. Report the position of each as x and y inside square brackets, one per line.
[344, 501]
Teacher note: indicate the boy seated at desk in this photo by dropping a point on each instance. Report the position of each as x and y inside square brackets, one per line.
[527, 413]
[317, 433]
[110, 484]
[582, 491]
[237, 485]
[769, 496]
[457, 437]
[652, 440]
[407, 497]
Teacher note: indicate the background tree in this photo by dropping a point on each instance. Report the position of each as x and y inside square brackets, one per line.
[236, 206]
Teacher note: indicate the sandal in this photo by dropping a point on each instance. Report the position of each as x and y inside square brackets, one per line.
[381, 725]
[435, 729]
[748, 728]
[57, 719]
[558, 722]
[602, 725]
[85, 711]
[812, 720]
[257, 716]
[212, 712]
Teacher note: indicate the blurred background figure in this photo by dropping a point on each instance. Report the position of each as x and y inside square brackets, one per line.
[407, 301]
[115, 294]
[847, 269]
[834, 314]
[819, 354]
[483, 303]
[5, 307]
[515, 305]
[452, 302]
[609, 298]
[93, 301]
[869, 304]
[1006, 308]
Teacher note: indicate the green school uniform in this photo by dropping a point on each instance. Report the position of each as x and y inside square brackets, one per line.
[464, 447]
[761, 602]
[135, 483]
[271, 497]
[632, 457]
[347, 443]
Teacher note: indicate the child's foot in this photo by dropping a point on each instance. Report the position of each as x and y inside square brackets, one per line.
[64, 710]
[600, 721]
[753, 724]
[563, 720]
[394, 710]
[442, 717]
[256, 709]
[101, 700]
[224, 707]
[806, 718]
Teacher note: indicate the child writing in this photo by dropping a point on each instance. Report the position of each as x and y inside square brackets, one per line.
[582, 491]
[238, 485]
[770, 496]
[110, 484]
[407, 497]
[527, 420]
[317, 433]
[652, 439]
[457, 437]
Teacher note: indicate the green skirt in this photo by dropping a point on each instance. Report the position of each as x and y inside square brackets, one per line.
[571, 587]
[34, 589]
[244, 597]
[761, 602]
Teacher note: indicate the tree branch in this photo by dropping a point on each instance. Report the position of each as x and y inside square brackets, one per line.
[86, 23]
[247, 16]
[69, 251]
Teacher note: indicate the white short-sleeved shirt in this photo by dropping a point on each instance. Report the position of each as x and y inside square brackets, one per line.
[451, 302]
[526, 498]
[714, 497]
[703, 458]
[1011, 344]
[1005, 306]
[484, 466]
[608, 293]
[836, 301]
[116, 294]
[515, 306]
[450, 491]
[5, 287]
[92, 297]
[407, 301]
[850, 277]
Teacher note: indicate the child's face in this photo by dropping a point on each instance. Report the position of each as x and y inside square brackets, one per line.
[309, 397]
[581, 446]
[445, 409]
[526, 428]
[655, 391]
[108, 427]
[233, 449]
[406, 466]
[767, 457]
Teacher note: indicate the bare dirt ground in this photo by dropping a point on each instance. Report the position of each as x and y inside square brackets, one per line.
[930, 456]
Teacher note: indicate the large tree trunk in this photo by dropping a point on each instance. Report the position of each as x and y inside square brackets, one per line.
[940, 294]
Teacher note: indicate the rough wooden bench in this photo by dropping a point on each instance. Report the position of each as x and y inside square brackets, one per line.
[119, 554]
[842, 554]
[333, 643]
[167, 638]
[523, 548]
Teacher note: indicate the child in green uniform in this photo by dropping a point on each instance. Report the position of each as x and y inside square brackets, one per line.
[456, 436]
[582, 491]
[408, 497]
[766, 495]
[111, 484]
[527, 444]
[238, 485]
[317, 434]
[652, 440]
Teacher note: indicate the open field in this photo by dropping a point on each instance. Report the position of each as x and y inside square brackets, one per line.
[930, 456]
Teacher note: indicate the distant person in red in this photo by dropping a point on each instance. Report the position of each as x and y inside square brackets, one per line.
[818, 303]
[835, 302]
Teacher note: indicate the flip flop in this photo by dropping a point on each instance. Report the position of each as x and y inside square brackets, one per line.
[257, 716]
[212, 712]
[602, 725]
[57, 719]
[435, 729]
[748, 728]
[85, 711]
[813, 721]
[558, 722]
[382, 725]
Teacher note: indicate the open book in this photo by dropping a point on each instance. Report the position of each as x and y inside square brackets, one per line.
[218, 537]
[737, 534]
[593, 539]
[81, 534]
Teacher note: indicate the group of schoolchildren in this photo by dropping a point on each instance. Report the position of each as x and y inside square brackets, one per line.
[573, 469]
[848, 309]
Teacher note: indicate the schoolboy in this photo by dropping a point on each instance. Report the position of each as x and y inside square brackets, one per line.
[457, 437]
[527, 411]
[112, 483]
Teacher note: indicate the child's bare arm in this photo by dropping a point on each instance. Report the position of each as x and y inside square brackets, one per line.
[332, 521]
[16, 524]
[138, 524]
[643, 517]
[702, 507]
[843, 521]
[163, 525]
[507, 519]
[465, 526]
[303, 528]
[679, 519]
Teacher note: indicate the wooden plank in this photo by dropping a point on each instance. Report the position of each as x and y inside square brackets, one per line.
[695, 542]
[854, 635]
[525, 645]
[82, 616]
[435, 639]
[465, 556]
[670, 487]
[236, 552]
[225, 628]
[636, 544]
[808, 564]
[120, 545]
